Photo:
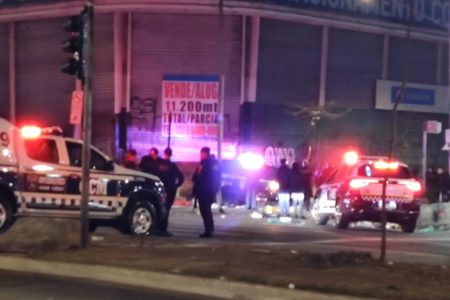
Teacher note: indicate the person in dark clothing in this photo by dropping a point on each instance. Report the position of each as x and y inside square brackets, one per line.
[206, 185]
[442, 182]
[130, 161]
[296, 187]
[150, 163]
[432, 186]
[171, 176]
[284, 180]
[306, 178]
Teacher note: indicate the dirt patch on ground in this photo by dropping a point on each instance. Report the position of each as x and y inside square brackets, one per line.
[348, 273]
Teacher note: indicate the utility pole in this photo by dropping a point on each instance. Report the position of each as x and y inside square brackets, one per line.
[169, 137]
[221, 83]
[79, 45]
[87, 122]
[400, 97]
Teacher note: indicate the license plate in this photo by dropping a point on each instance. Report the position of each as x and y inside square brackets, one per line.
[390, 205]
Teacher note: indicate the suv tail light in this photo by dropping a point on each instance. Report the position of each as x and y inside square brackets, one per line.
[412, 185]
[360, 183]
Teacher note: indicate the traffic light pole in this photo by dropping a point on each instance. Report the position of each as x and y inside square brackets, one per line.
[87, 122]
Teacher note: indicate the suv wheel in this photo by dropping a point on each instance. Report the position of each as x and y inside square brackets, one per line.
[341, 218]
[318, 218]
[6, 214]
[139, 218]
[409, 226]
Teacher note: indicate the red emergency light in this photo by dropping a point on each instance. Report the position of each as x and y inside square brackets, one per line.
[384, 165]
[351, 157]
[30, 132]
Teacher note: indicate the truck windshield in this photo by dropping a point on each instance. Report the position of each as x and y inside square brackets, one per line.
[401, 172]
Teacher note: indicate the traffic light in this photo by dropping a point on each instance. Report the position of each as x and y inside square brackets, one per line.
[74, 46]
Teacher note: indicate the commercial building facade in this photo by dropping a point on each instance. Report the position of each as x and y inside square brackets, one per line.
[278, 57]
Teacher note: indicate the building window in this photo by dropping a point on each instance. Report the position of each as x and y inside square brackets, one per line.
[43, 150]
[289, 63]
[422, 63]
[354, 65]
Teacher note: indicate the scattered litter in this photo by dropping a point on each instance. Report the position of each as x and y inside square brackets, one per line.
[265, 251]
[272, 221]
[285, 220]
[223, 278]
[256, 215]
[97, 238]
[393, 287]
[427, 229]
[291, 286]
[222, 216]
[294, 252]
[390, 263]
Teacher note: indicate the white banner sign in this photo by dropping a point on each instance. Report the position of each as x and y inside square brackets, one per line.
[190, 105]
[417, 97]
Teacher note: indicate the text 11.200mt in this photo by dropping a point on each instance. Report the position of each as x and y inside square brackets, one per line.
[190, 106]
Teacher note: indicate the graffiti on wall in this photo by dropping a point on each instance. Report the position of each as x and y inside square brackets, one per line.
[273, 155]
[143, 113]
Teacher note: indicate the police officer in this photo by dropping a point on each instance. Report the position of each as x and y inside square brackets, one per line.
[130, 159]
[284, 179]
[307, 186]
[150, 163]
[171, 176]
[206, 185]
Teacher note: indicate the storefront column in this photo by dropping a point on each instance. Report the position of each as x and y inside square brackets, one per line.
[119, 61]
[128, 61]
[254, 56]
[323, 66]
[12, 72]
[439, 65]
[243, 57]
[385, 66]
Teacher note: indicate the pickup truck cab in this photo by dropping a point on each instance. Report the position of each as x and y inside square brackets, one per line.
[40, 175]
[354, 193]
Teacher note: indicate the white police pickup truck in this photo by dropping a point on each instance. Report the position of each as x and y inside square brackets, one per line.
[40, 175]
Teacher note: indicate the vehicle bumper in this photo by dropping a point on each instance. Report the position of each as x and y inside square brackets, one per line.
[371, 211]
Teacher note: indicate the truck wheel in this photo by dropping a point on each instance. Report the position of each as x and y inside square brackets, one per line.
[139, 219]
[342, 219]
[6, 214]
[318, 218]
[93, 226]
[408, 226]
[321, 219]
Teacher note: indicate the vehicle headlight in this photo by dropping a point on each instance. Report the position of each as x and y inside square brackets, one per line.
[160, 189]
[274, 186]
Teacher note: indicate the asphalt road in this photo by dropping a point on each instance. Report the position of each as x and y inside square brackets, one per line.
[238, 227]
[22, 286]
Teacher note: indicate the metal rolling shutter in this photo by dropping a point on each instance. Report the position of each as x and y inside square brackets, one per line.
[4, 76]
[103, 119]
[43, 91]
[185, 44]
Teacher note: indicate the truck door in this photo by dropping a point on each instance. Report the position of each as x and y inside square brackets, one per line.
[104, 185]
[43, 185]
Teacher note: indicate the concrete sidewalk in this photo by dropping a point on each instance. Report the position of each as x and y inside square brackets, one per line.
[220, 288]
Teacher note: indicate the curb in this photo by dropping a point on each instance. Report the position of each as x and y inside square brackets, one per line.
[161, 281]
